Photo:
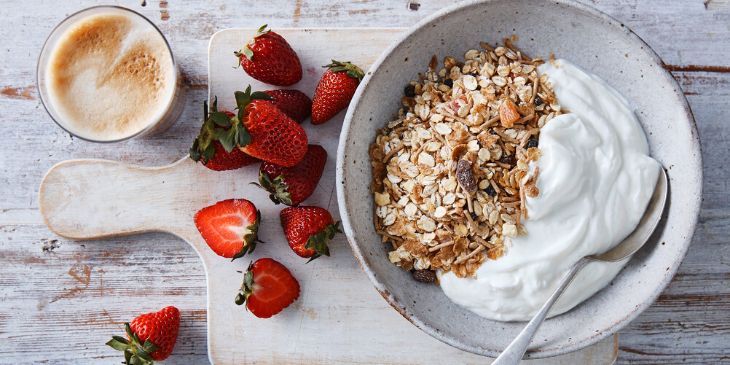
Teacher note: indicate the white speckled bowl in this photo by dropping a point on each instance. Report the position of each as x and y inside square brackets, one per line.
[599, 44]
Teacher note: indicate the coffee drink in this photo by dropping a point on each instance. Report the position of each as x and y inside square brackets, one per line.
[109, 76]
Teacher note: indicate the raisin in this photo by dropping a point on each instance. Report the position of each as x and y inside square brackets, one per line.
[537, 101]
[409, 91]
[490, 190]
[424, 276]
[532, 142]
[508, 159]
[449, 82]
[473, 215]
[465, 177]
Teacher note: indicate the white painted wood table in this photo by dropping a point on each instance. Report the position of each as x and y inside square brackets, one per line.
[60, 299]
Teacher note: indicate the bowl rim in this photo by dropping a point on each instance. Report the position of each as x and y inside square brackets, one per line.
[381, 288]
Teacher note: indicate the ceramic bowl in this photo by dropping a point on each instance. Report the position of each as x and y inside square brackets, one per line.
[600, 45]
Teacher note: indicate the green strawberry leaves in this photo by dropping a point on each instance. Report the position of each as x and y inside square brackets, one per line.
[118, 343]
[220, 119]
[261, 31]
[228, 137]
[135, 352]
[243, 99]
[220, 127]
[351, 70]
[278, 188]
[318, 241]
[246, 50]
[246, 287]
[203, 149]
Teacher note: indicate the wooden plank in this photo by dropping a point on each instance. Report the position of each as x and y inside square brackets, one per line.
[687, 324]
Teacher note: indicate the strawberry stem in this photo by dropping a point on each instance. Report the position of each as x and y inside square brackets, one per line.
[247, 286]
[278, 188]
[135, 352]
[351, 70]
[202, 149]
[261, 31]
[246, 50]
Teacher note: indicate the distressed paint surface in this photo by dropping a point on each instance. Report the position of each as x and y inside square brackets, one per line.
[67, 297]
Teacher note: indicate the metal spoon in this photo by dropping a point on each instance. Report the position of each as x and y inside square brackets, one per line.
[516, 350]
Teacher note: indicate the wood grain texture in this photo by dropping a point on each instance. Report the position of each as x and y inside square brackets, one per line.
[70, 321]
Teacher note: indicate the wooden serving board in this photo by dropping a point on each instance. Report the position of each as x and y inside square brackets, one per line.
[339, 317]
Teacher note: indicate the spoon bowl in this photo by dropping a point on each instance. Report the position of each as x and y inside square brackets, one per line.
[647, 224]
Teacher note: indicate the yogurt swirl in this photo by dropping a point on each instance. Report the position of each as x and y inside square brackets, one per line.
[595, 181]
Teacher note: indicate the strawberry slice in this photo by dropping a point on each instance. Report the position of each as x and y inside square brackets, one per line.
[268, 287]
[229, 227]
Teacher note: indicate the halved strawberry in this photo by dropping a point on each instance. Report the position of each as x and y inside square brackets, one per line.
[291, 185]
[308, 230]
[229, 227]
[207, 147]
[268, 287]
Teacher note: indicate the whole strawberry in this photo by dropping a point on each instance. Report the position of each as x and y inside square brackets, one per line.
[293, 103]
[308, 229]
[207, 147]
[150, 337]
[229, 227]
[268, 287]
[270, 59]
[291, 185]
[335, 90]
[263, 131]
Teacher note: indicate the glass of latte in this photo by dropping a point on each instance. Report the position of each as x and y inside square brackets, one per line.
[107, 74]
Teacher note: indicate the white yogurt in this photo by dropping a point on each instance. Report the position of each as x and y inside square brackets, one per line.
[595, 180]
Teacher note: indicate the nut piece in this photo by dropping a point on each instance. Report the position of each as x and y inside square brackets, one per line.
[508, 113]
[382, 199]
[465, 176]
[424, 276]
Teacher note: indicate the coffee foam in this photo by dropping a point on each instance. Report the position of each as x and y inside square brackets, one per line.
[110, 76]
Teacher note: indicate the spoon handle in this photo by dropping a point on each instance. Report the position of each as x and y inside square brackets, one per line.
[516, 350]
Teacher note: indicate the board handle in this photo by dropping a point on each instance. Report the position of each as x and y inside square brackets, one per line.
[91, 199]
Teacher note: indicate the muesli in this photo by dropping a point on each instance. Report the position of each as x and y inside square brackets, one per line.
[451, 172]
